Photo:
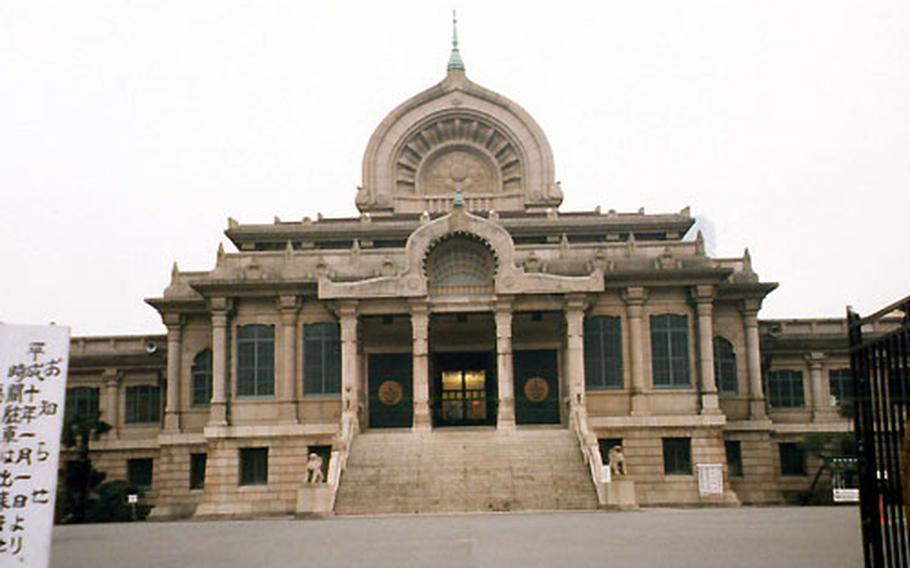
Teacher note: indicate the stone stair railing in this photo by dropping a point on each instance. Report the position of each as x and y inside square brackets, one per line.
[319, 498]
[590, 450]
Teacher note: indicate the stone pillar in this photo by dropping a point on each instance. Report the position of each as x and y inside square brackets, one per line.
[111, 410]
[757, 408]
[420, 334]
[821, 389]
[704, 301]
[350, 363]
[575, 349]
[174, 323]
[505, 418]
[287, 382]
[635, 297]
[218, 408]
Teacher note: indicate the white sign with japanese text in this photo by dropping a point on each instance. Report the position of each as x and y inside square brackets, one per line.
[33, 365]
[710, 479]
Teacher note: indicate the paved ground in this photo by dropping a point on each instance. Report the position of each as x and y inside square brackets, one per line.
[761, 537]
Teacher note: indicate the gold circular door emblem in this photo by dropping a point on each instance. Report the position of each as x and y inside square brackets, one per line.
[537, 389]
[390, 393]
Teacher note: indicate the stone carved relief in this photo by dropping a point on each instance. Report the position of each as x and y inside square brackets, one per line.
[464, 150]
[458, 168]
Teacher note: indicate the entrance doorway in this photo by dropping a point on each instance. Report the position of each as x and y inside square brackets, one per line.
[464, 389]
[536, 387]
[391, 398]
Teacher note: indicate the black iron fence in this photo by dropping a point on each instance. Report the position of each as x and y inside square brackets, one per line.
[880, 363]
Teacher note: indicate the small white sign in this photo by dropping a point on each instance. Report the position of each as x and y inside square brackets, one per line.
[846, 495]
[606, 476]
[710, 479]
[33, 366]
[132, 498]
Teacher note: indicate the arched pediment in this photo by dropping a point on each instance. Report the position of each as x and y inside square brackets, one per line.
[412, 282]
[457, 135]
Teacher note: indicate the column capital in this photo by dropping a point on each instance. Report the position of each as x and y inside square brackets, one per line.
[173, 320]
[220, 304]
[112, 376]
[703, 293]
[219, 319]
[750, 306]
[419, 308]
[288, 303]
[503, 304]
[347, 310]
[816, 359]
[575, 303]
[635, 295]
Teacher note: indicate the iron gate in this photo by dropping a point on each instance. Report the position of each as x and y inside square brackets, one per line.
[879, 362]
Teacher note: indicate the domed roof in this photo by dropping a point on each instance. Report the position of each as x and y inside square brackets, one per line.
[454, 135]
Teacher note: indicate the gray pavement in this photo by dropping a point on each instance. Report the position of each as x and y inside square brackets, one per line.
[776, 537]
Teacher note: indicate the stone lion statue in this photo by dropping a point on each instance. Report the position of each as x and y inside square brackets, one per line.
[617, 461]
[314, 469]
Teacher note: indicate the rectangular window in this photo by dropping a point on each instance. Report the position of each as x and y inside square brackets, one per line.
[202, 378]
[139, 473]
[143, 404]
[792, 459]
[734, 451]
[256, 360]
[670, 351]
[82, 402]
[725, 366]
[785, 389]
[197, 471]
[603, 353]
[321, 358]
[254, 466]
[677, 456]
[841, 381]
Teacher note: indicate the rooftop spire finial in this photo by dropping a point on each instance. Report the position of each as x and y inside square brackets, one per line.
[455, 62]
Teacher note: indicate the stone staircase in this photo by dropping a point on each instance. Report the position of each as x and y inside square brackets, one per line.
[454, 470]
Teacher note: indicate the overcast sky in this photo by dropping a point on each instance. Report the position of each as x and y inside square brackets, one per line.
[130, 131]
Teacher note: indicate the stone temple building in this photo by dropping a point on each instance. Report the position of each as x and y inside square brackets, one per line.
[462, 344]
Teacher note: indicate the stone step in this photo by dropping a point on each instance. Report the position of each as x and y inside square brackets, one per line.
[465, 470]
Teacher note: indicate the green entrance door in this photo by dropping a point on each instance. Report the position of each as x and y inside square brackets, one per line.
[536, 387]
[391, 398]
[464, 389]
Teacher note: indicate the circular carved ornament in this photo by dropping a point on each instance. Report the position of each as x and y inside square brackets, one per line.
[537, 389]
[390, 393]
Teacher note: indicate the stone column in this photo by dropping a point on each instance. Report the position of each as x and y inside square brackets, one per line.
[111, 410]
[753, 355]
[704, 301]
[420, 334]
[635, 297]
[821, 389]
[218, 408]
[575, 349]
[174, 323]
[287, 382]
[505, 418]
[350, 364]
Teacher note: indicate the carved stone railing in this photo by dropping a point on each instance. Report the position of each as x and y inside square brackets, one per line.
[338, 462]
[590, 450]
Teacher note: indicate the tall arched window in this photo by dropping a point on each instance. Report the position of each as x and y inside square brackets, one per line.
[202, 378]
[725, 366]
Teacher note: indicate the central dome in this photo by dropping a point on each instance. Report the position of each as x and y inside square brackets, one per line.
[457, 135]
